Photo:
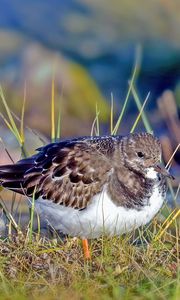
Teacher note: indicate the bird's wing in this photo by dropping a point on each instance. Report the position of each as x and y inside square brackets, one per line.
[65, 173]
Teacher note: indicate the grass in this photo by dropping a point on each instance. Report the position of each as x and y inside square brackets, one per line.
[117, 270]
[140, 265]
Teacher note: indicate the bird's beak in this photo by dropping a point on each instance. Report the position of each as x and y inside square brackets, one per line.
[160, 169]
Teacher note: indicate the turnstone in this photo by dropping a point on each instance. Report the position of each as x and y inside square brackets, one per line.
[88, 186]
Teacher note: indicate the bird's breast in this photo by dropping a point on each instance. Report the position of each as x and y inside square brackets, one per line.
[102, 216]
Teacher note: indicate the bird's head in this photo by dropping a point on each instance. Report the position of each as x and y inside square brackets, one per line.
[142, 152]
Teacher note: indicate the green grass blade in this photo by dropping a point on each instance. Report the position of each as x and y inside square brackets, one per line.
[97, 121]
[139, 106]
[140, 114]
[7, 123]
[112, 114]
[172, 156]
[23, 150]
[11, 120]
[58, 134]
[134, 76]
[93, 124]
[9, 216]
[32, 215]
[22, 115]
[53, 130]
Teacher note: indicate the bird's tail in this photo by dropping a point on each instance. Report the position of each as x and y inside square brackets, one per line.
[12, 176]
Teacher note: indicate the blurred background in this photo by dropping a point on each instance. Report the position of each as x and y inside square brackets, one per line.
[90, 47]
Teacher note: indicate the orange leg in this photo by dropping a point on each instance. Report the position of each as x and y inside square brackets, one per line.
[86, 249]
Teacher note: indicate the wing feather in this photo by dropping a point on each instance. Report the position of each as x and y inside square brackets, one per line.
[67, 173]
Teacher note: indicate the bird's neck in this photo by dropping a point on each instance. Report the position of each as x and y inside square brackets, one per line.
[129, 188]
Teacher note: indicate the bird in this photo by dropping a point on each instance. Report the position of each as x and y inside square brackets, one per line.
[93, 185]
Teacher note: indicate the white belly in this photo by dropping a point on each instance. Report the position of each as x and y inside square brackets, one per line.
[102, 216]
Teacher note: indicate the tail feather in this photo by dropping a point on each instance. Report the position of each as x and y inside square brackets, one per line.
[20, 168]
[12, 176]
[13, 185]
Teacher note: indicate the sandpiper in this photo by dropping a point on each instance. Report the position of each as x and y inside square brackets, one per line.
[89, 186]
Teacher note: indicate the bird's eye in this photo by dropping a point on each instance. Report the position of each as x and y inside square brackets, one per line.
[140, 154]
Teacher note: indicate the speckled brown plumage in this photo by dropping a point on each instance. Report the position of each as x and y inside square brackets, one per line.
[68, 172]
[71, 172]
